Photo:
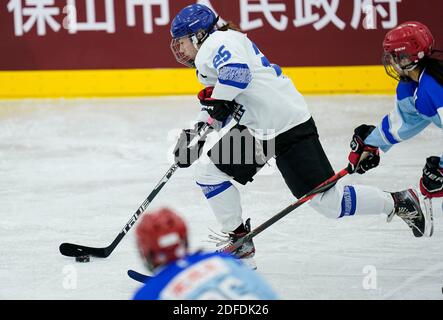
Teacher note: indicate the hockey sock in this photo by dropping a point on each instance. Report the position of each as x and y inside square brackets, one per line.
[224, 200]
[364, 200]
[341, 201]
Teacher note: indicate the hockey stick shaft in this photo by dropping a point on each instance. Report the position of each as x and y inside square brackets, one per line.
[321, 188]
[200, 134]
[74, 250]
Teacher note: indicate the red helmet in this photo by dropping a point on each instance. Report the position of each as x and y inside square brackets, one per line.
[161, 237]
[405, 45]
[411, 38]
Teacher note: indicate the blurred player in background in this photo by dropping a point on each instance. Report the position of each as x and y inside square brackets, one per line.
[410, 58]
[241, 84]
[162, 239]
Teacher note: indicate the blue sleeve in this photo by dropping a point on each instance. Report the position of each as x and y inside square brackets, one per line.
[403, 123]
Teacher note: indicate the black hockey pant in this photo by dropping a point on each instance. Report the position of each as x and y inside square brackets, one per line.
[299, 155]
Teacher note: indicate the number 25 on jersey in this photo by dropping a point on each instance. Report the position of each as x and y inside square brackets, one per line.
[223, 55]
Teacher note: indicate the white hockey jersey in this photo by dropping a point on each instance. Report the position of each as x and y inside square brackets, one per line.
[237, 69]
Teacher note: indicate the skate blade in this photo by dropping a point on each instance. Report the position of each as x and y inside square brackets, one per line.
[429, 217]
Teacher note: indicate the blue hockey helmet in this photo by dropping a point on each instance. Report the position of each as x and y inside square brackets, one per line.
[193, 23]
[193, 19]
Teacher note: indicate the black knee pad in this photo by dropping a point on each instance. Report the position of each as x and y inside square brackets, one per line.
[240, 155]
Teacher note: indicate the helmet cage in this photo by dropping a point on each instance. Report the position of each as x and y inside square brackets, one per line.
[398, 65]
[179, 55]
[404, 47]
[196, 39]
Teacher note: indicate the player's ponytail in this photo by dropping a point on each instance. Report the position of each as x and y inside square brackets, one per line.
[229, 26]
[434, 65]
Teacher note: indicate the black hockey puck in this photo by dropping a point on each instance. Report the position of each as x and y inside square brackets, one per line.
[82, 259]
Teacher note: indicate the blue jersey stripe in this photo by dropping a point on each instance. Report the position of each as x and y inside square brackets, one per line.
[235, 75]
[257, 51]
[277, 69]
[385, 127]
[235, 84]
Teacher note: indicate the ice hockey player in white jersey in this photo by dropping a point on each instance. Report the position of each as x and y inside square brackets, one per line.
[410, 58]
[241, 84]
[162, 240]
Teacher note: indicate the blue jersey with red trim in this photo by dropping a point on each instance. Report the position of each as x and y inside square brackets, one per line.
[206, 276]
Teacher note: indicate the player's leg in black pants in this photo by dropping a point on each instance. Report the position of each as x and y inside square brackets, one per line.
[301, 159]
[240, 155]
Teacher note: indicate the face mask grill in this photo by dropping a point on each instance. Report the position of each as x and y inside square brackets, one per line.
[180, 56]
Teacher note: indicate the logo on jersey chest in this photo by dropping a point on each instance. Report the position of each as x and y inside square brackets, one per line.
[193, 277]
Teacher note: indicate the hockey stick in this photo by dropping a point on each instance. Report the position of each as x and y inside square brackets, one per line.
[321, 188]
[75, 250]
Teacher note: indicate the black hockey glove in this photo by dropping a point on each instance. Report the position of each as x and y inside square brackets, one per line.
[184, 155]
[218, 109]
[431, 183]
[362, 157]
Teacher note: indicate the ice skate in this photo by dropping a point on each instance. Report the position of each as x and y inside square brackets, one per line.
[407, 207]
[245, 252]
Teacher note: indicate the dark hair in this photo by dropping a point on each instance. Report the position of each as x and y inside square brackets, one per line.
[229, 26]
[434, 65]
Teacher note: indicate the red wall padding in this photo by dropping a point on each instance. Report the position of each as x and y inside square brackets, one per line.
[327, 38]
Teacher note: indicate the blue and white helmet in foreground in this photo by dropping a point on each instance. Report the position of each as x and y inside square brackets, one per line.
[194, 22]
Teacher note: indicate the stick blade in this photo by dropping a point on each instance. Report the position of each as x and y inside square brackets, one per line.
[75, 250]
[137, 276]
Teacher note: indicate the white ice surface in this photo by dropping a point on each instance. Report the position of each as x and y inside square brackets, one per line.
[76, 170]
